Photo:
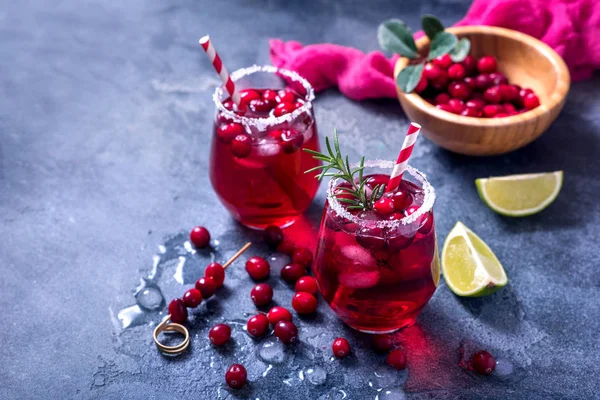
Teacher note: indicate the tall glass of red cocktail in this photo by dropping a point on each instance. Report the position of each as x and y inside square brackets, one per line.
[377, 271]
[256, 161]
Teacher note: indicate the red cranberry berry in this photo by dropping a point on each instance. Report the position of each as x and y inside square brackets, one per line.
[219, 334]
[470, 82]
[206, 286]
[426, 221]
[456, 71]
[442, 82]
[492, 95]
[216, 272]
[247, 95]
[229, 131]
[292, 272]
[200, 237]
[509, 108]
[384, 206]
[396, 359]
[401, 200]
[178, 311]
[470, 112]
[291, 140]
[258, 325]
[422, 85]
[469, 63]
[259, 105]
[459, 90]
[456, 105]
[304, 303]
[261, 294]
[523, 93]
[483, 81]
[477, 104]
[236, 376]
[443, 62]
[241, 146]
[302, 255]
[382, 343]
[531, 101]
[192, 298]
[270, 96]
[487, 64]
[431, 72]
[286, 331]
[273, 236]
[445, 107]
[306, 284]
[277, 314]
[399, 242]
[283, 108]
[442, 98]
[411, 210]
[340, 347]
[258, 268]
[483, 362]
[501, 115]
[498, 78]
[286, 96]
[370, 238]
[490, 110]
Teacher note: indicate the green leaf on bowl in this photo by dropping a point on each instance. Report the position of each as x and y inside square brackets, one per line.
[431, 25]
[461, 50]
[395, 36]
[441, 44]
[409, 77]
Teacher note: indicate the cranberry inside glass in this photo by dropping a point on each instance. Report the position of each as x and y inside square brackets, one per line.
[256, 161]
[376, 270]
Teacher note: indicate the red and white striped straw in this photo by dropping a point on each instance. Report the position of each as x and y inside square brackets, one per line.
[402, 161]
[220, 68]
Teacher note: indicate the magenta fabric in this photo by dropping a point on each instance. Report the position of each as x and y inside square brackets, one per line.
[571, 27]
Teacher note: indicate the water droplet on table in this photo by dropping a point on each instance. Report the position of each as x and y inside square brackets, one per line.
[148, 296]
[131, 316]
[386, 376]
[391, 394]
[277, 261]
[271, 350]
[504, 368]
[316, 375]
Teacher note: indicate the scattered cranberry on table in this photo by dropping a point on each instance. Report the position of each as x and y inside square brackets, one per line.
[258, 268]
[303, 256]
[382, 343]
[286, 331]
[292, 272]
[200, 237]
[273, 236]
[236, 376]
[306, 284]
[206, 286]
[304, 303]
[483, 362]
[216, 272]
[192, 298]
[219, 334]
[396, 359]
[340, 347]
[258, 325]
[277, 314]
[470, 87]
[261, 294]
[178, 311]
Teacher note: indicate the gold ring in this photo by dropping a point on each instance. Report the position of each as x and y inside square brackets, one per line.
[164, 326]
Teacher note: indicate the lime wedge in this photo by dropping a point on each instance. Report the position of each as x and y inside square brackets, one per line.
[469, 266]
[520, 195]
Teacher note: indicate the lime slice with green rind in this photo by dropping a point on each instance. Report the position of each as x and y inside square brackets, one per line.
[520, 195]
[469, 266]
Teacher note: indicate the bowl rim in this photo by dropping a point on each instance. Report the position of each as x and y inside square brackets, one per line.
[555, 98]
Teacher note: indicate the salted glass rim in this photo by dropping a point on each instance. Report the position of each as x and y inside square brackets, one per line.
[428, 200]
[264, 122]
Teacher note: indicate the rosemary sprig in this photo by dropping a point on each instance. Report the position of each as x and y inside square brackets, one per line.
[334, 161]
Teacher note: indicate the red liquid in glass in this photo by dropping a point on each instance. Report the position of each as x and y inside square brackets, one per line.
[378, 279]
[268, 186]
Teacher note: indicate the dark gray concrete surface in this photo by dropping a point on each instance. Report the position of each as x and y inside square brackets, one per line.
[105, 119]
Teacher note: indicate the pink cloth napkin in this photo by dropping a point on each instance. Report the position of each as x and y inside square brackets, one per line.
[571, 27]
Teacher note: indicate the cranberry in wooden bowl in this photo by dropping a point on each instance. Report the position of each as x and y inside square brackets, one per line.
[519, 60]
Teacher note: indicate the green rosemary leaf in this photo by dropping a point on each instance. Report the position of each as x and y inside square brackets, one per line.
[355, 207]
[345, 189]
[315, 152]
[318, 167]
[336, 144]
[347, 201]
[362, 167]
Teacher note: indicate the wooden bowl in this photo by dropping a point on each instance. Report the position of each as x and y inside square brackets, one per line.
[526, 62]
